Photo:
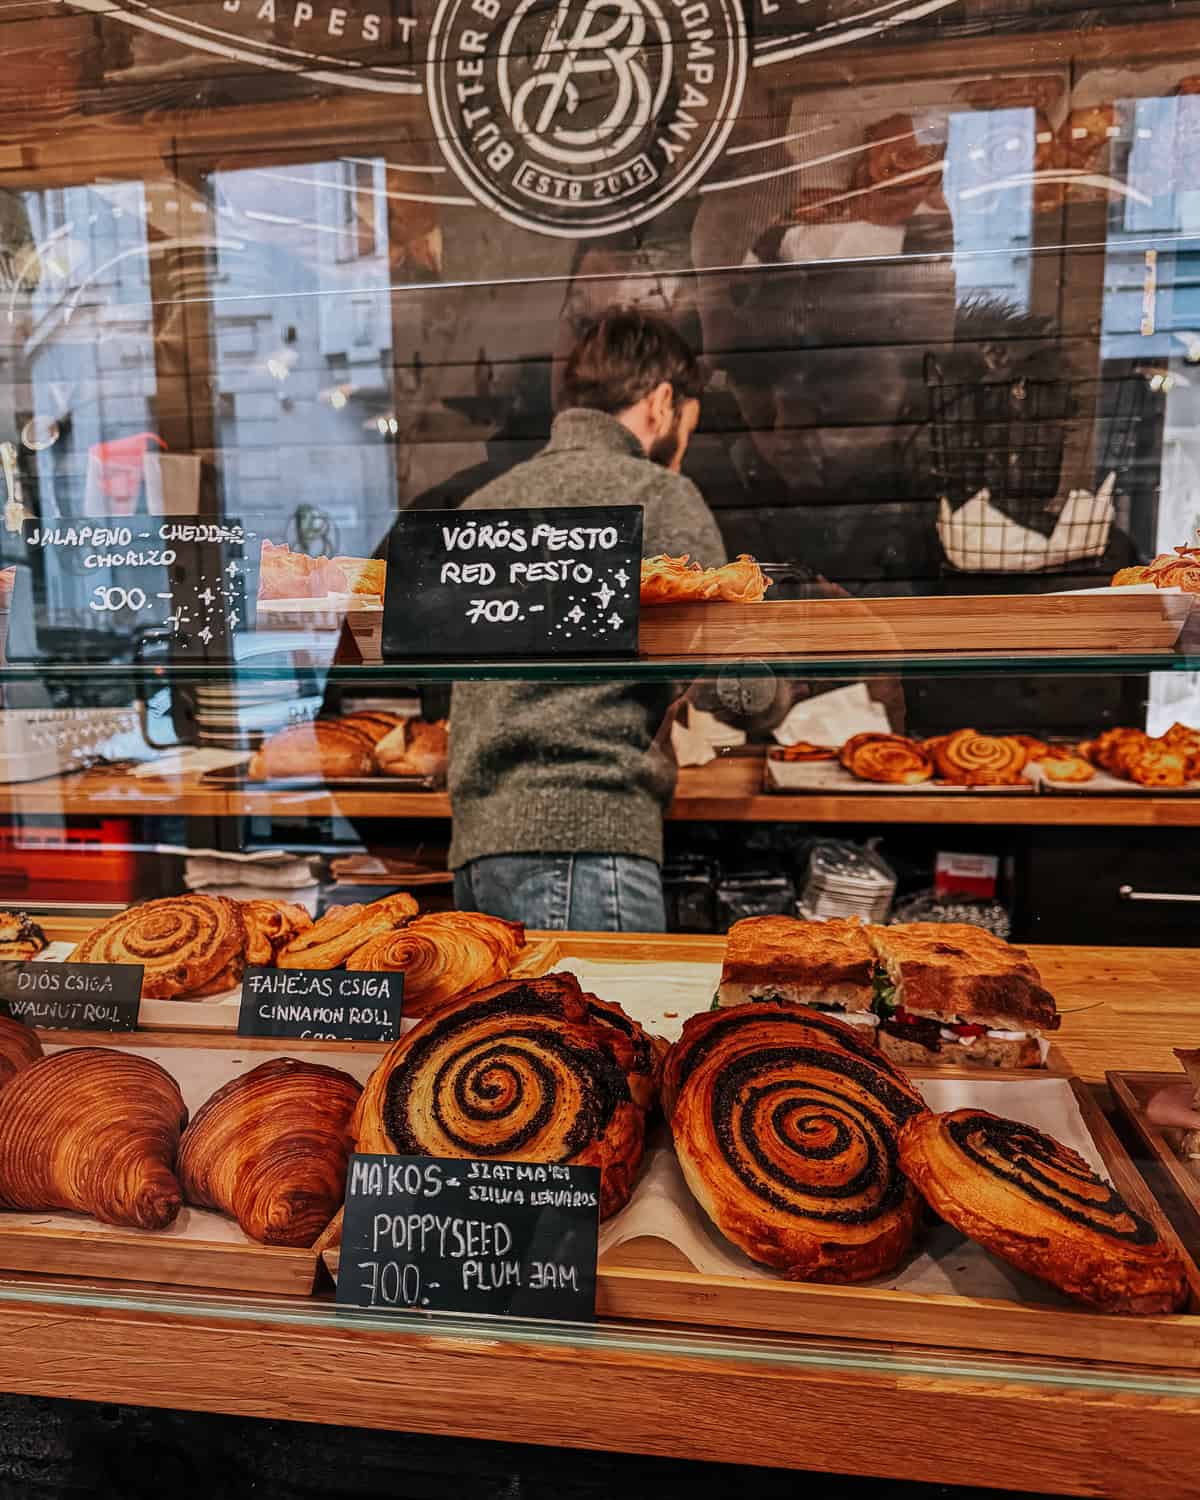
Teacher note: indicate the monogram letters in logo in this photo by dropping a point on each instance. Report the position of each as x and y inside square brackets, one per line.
[583, 117]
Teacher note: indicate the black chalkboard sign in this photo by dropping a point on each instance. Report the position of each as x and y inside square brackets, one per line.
[514, 1239]
[321, 1004]
[515, 583]
[119, 577]
[72, 997]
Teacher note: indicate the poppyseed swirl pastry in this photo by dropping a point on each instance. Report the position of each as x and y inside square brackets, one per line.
[343, 930]
[20, 937]
[786, 1133]
[970, 759]
[1037, 1204]
[189, 946]
[516, 1072]
[19, 1046]
[270, 926]
[887, 758]
[92, 1130]
[443, 955]
[270, 1149]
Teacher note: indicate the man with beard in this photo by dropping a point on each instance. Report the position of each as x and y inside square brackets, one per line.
[558, 793]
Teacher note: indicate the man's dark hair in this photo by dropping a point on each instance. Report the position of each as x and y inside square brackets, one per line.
[622, 356]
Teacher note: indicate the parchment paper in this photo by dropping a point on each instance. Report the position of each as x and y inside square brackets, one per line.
[946, 1262]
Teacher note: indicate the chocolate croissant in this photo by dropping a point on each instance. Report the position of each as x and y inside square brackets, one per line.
[343, 930]
[19, 1046]
[188, 946]
[270, 1149]
[443, 955]
[517, 1072]
[786, 1133]
[92, 1130]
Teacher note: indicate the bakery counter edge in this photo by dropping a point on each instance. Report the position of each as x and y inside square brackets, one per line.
[635, 1390]
[727, 790]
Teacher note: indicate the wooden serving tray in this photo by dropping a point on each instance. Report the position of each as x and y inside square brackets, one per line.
[1180, 1184]
[201, 1249]
[1111, 623]
[649, 1280]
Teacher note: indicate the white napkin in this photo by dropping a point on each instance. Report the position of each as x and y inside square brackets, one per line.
[832, 718]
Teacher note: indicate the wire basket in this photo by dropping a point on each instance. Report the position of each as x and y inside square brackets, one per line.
[1010, 460]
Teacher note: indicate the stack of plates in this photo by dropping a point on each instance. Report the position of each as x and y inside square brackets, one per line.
[240, 715]
[845, 880]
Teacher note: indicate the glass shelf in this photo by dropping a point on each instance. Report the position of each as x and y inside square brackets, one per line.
[559, 670]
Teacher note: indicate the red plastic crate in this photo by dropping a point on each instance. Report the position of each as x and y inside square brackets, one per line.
[82, 862]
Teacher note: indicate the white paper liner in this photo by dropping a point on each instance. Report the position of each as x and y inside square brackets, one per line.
[946, 1262]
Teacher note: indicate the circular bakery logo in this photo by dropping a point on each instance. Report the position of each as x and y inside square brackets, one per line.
[579, 117]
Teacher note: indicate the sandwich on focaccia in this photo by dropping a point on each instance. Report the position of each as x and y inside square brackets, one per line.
[938, 992]
[826, 965]
[952, 993]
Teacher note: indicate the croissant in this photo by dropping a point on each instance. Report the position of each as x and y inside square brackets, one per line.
[443, 955]
[330, 941]
[92, 1130]
[186, 945]
[271, 925]
[270, 1149]
[19, 1046]
[517, 1072]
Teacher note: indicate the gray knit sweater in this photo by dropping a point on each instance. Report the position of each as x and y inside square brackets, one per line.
[536, 768]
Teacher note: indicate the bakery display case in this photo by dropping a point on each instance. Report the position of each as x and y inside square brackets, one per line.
[887, 1135]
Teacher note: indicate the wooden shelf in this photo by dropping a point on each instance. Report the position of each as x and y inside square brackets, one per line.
[728, 790]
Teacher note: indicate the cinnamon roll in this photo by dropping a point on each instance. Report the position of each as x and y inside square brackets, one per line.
[92, 1130]
[887, 758]
[343, 930]
[1037, 1204]
[443, 955]
[270, 1149]
[786, 1133]
[184, 943]
[270, 926]
[19, 1046]
[971, 759]
[520, 1071]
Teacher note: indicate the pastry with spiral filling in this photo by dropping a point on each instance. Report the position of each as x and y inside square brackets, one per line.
[967, 758]
[188, 946]
[19, 1046]
[20, 938]
[1038, 1205]
[92, 1130]
[520, 1071]
[270, 1148]
[785, 1126]
[443, 955]
[887, 758]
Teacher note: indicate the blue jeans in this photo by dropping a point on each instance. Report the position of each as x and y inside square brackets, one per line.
[579, 892]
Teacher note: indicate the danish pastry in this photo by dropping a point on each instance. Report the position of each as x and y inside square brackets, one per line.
[887, 758]
[519, 1071]
[787, 1139]
[343, 930]
[1037, 1204]
[970, 759]
[184, 943]
[270, 1149]
[92, 1130]
[443, 955]
[270, 926]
